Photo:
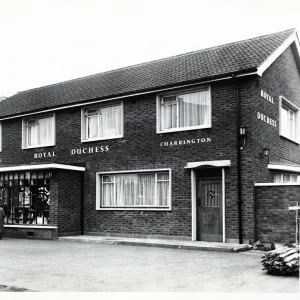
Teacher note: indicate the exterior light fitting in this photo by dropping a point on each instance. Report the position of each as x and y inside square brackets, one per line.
[243, 135]
[266, 151]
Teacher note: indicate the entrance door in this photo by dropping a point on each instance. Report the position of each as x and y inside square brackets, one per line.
[210, 226]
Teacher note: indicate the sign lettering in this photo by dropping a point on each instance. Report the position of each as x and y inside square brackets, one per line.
[185, 142]
[266, 119]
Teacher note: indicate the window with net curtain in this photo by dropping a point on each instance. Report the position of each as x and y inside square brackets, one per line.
[103, 122]
[40, 131]
[286, 178]
[136, 190]
[288, 120]
[186, 111]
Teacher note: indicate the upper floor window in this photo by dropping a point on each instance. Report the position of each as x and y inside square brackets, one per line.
[102, 122]
[0, 137]
[184, 111]
[286, 178]
[289, 120]
[39, 131]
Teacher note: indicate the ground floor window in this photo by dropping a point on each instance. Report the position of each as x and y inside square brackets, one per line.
[135, 190]
[286, 178]
[25, 197]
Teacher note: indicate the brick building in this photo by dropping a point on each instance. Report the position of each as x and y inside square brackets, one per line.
[173, 148]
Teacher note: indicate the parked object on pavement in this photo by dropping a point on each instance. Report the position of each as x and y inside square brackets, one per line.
[282, 261]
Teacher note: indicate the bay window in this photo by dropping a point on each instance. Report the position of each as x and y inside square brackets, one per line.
[288, 120]
[39, 131]
[184, 111]
[134, 190]
[104, 121]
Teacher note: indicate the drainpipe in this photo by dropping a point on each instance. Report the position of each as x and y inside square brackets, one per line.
[239, 167]
[82, 203]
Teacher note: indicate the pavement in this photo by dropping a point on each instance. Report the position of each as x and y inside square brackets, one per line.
[161, 243]
[57, 266]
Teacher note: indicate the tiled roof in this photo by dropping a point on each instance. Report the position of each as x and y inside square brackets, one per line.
[198, 65]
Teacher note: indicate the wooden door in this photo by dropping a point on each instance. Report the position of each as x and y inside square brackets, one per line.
[210, 226]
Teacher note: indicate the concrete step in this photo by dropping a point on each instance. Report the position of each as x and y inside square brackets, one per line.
[161, 243]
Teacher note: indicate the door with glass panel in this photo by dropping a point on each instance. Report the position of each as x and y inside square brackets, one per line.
[209, 200]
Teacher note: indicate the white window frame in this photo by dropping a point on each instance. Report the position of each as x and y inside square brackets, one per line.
[140, 208]
[36, 118]
[283, 102]
[84, 123]
[0, 136]
[287, 174]
[159, 108]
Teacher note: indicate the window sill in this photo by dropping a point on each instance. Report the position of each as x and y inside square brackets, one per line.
[39, 146]
[103, 139]
[136, 208]
[289, 139]
[184, 129]
[30, 226]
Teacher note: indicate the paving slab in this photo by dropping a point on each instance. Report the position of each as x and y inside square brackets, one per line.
[161, 243]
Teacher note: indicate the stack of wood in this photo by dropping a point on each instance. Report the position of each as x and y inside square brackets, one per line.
[282, 261]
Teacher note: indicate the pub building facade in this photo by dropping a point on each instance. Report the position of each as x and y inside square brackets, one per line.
[171, 148]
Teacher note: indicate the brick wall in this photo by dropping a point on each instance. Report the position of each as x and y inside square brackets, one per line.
[274, 222]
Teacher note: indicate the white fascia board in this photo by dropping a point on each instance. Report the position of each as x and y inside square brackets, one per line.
[266, 64]
[30, 226]
[212, 163]
[41, 167]
[284, 168]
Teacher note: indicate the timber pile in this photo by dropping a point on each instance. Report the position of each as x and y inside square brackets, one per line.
[283, 261]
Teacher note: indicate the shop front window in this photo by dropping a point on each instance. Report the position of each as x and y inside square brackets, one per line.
[25, 197]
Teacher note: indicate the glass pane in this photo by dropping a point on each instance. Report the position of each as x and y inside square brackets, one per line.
[163, 193]
[194, 109]
[286, 177]
[146, 189]
[92, 126]
[162, 176]
[46, 131]
[169, 113]
[110, 121]
[108, 178]
[108, 194]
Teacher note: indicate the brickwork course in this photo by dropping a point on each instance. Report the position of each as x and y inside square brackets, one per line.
[73, 208]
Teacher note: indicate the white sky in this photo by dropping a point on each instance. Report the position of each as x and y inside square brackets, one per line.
[49, 41]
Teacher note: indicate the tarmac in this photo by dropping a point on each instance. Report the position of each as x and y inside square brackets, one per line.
[57, 266]
[160, 243]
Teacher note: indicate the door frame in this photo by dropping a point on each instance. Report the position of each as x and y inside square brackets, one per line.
[194, 204]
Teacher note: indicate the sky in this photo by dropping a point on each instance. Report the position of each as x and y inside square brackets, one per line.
[49, 41]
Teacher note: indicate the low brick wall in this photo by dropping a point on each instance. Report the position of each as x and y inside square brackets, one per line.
[274, 222]
[24, 232]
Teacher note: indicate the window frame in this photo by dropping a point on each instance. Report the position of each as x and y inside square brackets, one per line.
[84, 138]
[159, 109]
[99, 183]
[0, 136]
[289, 106]
[36, 118]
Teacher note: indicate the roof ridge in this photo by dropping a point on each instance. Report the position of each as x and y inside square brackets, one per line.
[158, 60]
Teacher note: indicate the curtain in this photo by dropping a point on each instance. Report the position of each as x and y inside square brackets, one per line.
[46, 131]
[146, 189]
[169, 113]
[31, 135]
[92, 126]
[110, 121]
[194, 109]
[129, 190]
[277, 177]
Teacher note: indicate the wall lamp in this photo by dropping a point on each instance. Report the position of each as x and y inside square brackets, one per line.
[266, 151]
[243, 135]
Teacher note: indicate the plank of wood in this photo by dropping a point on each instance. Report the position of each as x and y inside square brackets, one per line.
[289, 258]
[287, 253]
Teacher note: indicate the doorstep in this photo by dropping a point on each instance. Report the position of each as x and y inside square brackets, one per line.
[175, 244]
